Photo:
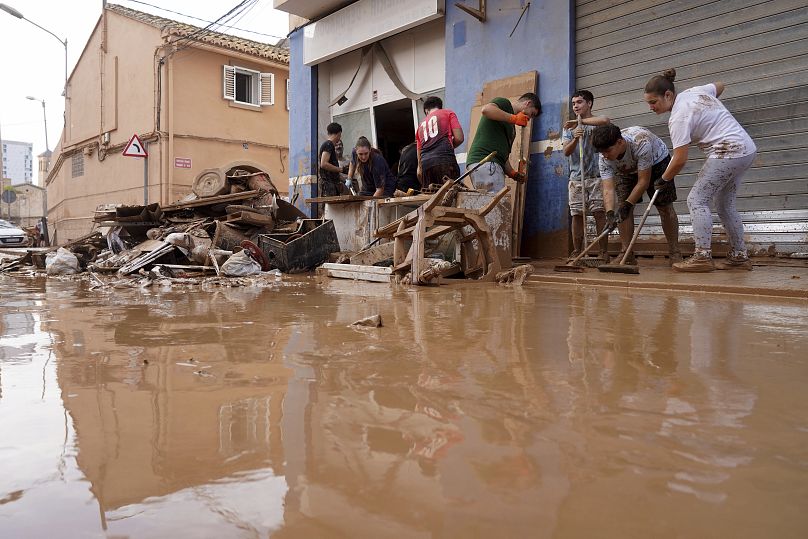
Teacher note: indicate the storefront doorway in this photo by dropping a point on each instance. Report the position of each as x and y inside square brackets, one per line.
[395, 128]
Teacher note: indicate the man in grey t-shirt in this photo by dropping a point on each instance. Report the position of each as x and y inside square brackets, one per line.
[630, 161]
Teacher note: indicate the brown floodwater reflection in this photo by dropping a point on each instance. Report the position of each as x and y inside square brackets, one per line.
[476, 411]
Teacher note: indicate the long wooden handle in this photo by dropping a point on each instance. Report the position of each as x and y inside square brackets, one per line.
[588, 247]
[639, 227]
[477, 165]
[583, 181]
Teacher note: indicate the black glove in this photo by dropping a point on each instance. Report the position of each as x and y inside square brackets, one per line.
[624, 209]
[660, 183]
[611, 220]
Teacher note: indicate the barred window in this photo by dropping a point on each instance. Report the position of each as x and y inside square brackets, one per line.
[78, 164]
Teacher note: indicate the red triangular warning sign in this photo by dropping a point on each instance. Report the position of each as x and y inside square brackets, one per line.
[135, 148]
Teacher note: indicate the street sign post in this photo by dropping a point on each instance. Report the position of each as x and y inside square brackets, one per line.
[9, 196]
[135, 148]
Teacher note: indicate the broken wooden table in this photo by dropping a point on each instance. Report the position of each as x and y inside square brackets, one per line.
[432, 220]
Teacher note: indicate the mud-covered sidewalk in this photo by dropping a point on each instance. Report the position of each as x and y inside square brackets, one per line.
[773, 277]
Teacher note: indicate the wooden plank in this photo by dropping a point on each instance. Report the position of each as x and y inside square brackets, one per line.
[356, 273]
[340, 199]
[210, 201]
[402, 201]
[377, 270]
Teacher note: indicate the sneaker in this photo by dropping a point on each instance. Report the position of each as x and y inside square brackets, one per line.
[604, 256]
[698, 263]
[573, 255]
[741, 262]
[675, 258]
[630, 261]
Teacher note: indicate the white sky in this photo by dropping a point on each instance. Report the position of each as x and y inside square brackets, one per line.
[32, 61]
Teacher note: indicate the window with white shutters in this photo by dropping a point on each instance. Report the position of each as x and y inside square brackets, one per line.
[230, 83]
[267, 88]
[247, 86]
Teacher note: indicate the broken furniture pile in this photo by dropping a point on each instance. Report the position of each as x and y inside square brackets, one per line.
[234, 224]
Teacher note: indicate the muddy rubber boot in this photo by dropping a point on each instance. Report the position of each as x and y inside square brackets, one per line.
[674, 258]
[735, 262]
[698, 263]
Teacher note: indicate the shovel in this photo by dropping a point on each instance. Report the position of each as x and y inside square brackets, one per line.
[622, 267]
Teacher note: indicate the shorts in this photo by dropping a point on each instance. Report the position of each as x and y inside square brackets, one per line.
[594, 196]
[667, 195]
[435, 173]
[489, 177]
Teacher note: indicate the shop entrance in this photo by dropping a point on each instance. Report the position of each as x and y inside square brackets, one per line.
[395, 128]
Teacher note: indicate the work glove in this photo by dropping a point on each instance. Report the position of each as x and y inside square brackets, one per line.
[516, 176]
[611, 220]
[660, 183]
[624, 209]
[520, 119]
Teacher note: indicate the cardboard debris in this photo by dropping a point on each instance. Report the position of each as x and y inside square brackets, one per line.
[374, 321]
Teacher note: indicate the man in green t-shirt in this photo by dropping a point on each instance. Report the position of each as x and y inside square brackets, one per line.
[496, 132]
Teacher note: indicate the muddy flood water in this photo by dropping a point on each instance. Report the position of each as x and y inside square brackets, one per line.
[476, 411]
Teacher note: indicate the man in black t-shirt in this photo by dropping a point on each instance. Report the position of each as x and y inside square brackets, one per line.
[408, 168]
[328, 175]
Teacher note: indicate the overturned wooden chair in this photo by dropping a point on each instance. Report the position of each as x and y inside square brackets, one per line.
[434, 219]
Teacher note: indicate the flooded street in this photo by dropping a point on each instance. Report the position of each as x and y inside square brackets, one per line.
[476, 411]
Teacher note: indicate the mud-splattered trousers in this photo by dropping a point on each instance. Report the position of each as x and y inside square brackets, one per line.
[718, 184]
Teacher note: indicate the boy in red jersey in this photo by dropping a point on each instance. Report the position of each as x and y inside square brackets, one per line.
[436, 138]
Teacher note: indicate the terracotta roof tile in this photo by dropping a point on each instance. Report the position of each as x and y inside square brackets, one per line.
[180, 29]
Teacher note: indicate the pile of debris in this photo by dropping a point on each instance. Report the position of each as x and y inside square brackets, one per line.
[234, 224]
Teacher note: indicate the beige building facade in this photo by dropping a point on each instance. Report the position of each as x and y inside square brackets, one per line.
[28, 206]
[197, 99]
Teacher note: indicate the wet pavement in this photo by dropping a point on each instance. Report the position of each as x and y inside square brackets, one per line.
[476, 411]
[782, 278]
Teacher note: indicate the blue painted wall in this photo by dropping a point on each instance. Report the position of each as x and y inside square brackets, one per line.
[302, 124]
[479, 52]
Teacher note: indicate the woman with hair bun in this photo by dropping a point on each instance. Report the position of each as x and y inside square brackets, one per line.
[698, 117]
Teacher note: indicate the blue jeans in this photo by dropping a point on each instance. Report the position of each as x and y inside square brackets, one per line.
[489, 177]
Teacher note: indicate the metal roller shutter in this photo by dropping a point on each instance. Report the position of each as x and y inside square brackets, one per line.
[759, 49]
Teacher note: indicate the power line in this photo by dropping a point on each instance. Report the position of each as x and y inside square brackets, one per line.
[204, 20]
[194, 36]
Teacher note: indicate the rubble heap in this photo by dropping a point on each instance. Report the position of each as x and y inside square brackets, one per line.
[233, 224]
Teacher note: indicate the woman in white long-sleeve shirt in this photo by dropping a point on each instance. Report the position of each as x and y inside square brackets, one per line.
[699, 117]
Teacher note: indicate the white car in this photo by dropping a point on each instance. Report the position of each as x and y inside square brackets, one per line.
[11, 236]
